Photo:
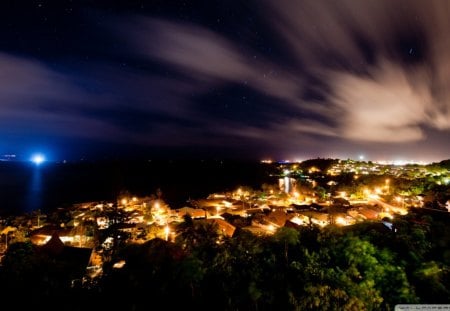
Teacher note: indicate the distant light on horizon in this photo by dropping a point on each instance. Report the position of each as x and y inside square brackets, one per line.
[403, 162]
[360, 157]
[266, 161]
[37, 159]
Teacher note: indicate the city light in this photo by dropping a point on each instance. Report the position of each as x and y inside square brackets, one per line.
[341, 221]
[166, 232]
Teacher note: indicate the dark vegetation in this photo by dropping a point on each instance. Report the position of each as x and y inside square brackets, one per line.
[366, 266]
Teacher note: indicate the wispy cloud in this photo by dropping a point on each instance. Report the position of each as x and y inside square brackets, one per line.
[385, 107]
[372, 94]
[207, 56]
[39, 101]
[385, 63]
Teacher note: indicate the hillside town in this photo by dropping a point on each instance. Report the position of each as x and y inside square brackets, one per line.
[317, 193]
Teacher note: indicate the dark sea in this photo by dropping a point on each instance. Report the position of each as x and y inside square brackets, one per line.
[25, 187]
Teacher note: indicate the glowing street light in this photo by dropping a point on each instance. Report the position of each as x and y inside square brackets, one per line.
[366, 192]
[156, 206]
[167, 231]
[341, 221]
[400, 200]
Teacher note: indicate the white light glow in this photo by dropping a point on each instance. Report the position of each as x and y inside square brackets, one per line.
[37, 159]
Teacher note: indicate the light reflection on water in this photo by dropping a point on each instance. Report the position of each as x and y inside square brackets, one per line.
[34, 191]
[25, 187]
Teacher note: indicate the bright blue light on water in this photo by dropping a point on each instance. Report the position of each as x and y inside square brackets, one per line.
[37, 159]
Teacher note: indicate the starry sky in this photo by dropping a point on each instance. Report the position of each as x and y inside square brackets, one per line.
[277, 79]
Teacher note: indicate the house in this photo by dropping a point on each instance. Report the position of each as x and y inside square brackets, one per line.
[276, 218]
[193, 212]
[256, 230]
[68, 235]
[74, 260]
[42, 235]
[317, 218]
[224, 226]
[368, 213]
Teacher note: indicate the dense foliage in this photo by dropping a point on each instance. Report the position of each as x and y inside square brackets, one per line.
[366, 266]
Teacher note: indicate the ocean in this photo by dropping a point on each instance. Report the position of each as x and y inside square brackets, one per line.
[25, 187]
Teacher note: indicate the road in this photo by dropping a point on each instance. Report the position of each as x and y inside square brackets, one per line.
[389, 207]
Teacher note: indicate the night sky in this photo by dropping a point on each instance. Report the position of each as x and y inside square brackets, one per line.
[243, 79]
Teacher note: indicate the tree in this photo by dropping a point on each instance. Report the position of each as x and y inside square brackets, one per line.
[352, 272]
[236, 274]
[42, 275]
[287, 237]
[153, 272]
[321, 192]
[199, 237]
[432, 282]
